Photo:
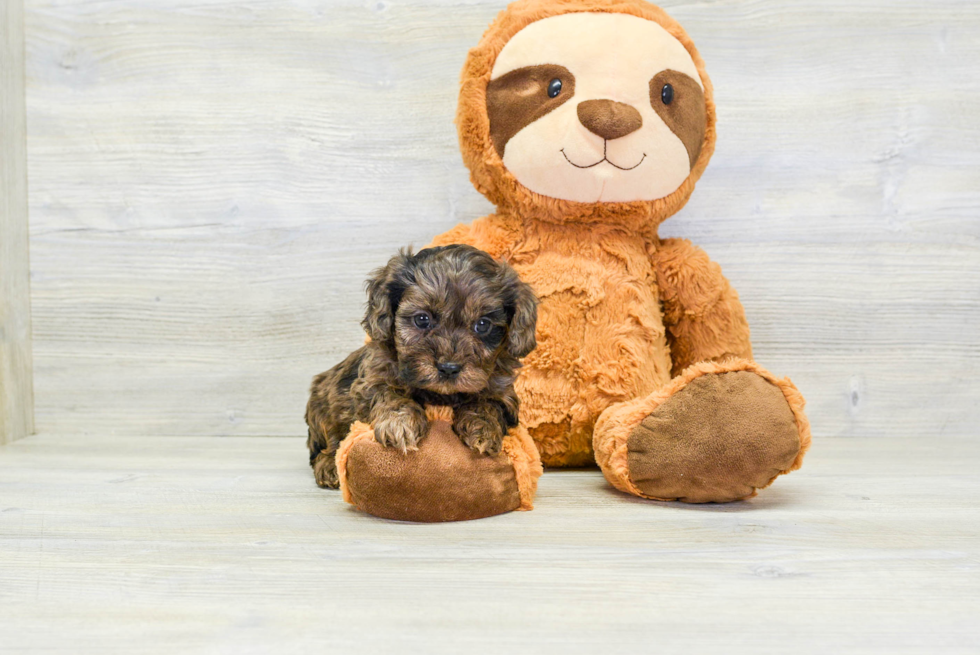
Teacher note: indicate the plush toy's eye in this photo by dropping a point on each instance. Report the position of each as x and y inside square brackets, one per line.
[422, 321]
[667, 94]
[554, 88]
[483, 326]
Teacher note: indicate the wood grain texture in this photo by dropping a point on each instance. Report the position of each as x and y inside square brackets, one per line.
[16, 387]
[196, 545]
[212, 181]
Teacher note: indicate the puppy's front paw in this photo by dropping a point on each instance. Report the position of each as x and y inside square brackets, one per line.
[401, 428]
[482, 433]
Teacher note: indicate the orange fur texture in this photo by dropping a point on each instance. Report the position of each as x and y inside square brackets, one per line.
[633, 332]
[623, 313]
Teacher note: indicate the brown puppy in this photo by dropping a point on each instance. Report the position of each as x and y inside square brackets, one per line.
[448, 326]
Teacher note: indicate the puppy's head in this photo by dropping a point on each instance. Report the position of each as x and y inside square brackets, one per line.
[452, 317]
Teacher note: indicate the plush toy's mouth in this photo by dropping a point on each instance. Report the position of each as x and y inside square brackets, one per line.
[604, 159]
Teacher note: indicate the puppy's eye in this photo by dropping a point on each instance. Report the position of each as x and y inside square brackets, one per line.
[667, 94]
[422, 321]
[554, 88]
[482, 326]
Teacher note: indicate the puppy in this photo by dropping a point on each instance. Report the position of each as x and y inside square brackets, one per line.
[448, 326]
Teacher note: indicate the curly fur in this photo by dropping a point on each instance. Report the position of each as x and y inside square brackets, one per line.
[388, 382]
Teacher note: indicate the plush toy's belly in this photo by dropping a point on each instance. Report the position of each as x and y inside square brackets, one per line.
[600, 341]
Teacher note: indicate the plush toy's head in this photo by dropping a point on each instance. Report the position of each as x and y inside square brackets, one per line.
[586, 110]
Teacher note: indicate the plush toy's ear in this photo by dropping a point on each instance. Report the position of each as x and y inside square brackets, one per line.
[384, 289]
[522, 308]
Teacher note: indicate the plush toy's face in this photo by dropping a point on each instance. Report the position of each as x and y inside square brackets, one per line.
[597, 107]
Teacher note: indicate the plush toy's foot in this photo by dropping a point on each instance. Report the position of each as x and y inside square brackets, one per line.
[716, 433]
[443, 480]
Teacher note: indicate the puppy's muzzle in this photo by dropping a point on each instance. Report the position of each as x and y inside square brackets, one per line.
[449, 370]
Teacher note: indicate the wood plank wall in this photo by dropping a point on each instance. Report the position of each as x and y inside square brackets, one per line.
[16, 390]
[212, 180]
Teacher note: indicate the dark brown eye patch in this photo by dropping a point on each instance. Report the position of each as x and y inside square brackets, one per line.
[679, 102]
[522, 96]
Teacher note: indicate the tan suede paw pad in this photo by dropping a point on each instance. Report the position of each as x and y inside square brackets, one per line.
[718, 439]
[441, 481]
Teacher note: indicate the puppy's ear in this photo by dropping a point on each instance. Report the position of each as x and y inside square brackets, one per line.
[384, 290]
[522, 308]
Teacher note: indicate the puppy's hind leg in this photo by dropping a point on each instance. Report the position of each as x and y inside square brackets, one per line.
[325, 469]
[329, 415]
[322, 449]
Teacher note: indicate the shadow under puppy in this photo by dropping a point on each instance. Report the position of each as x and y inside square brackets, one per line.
[448, 326]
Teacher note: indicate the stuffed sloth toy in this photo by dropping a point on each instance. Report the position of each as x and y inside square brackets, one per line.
[587, 123]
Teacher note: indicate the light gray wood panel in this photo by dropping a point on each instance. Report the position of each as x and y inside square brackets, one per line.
[212, 181]
[225, 545]
[16, 387]
[250, 338]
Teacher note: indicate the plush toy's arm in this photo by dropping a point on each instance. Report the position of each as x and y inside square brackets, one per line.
[703, 316]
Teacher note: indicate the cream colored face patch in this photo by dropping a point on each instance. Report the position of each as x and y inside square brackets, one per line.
[593, 131]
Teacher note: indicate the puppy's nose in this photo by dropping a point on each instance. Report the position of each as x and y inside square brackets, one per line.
[608, 118]
[449, 369]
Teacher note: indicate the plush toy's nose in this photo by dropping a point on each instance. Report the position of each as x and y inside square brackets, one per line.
[608, 118]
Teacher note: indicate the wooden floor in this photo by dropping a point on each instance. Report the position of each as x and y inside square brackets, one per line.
[113, 545]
